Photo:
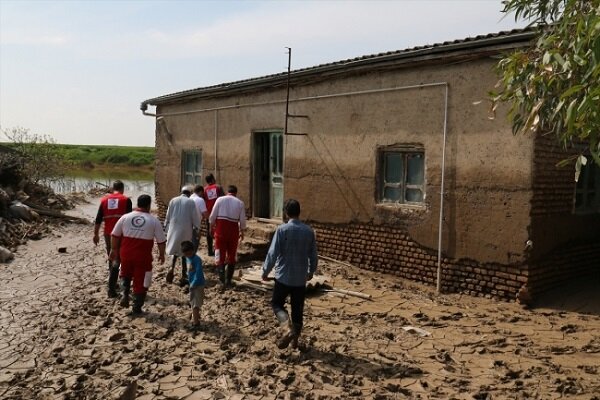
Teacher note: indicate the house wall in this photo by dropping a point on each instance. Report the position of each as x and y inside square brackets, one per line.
[565, 244]
[332, 170]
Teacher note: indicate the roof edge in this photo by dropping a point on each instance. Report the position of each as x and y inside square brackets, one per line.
[514, 39]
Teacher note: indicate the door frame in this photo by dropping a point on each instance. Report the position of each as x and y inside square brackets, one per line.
[255, 184]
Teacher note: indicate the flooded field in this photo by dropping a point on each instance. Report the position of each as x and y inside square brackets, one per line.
[137, 181]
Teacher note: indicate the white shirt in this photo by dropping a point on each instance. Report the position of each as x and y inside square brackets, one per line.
[181, 218]
[200, 204]
[229, 208]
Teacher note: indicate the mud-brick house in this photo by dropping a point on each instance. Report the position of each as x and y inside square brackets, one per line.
[369, 145]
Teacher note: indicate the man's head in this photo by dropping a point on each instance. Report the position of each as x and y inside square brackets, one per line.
[232, 189]
[210, 179]
[291, 208]
[187, 190]
[198, 189]
[144, 201]
[118, 186]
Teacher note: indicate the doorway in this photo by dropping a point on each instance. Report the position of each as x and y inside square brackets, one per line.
[268, 174]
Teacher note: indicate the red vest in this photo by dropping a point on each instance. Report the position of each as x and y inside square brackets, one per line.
[211, 192]
[113, 207]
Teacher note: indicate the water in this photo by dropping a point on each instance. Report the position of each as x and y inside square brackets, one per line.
[136, 181]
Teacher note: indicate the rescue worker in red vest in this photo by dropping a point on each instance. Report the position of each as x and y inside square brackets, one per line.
[212, 191]
[112, 207]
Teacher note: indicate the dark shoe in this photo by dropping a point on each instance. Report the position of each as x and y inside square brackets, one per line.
[183, 282]
[229, 270]
[113, 278]
[170, 276]
[135, 310]
[294, 342]
[138, 302]
[285, 341]
[126, 286]
[194, 327]
[221, 271]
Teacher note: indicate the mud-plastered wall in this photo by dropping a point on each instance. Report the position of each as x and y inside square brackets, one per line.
[221, 132]
[333, 169]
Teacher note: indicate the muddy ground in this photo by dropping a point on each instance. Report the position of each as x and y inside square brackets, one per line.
[62, 338]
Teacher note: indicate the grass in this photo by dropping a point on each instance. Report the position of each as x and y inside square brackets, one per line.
[97, 155]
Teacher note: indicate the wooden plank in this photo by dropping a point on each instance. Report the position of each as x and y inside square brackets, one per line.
[350, 293]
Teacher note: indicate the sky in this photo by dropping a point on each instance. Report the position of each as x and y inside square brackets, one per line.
[77, 71]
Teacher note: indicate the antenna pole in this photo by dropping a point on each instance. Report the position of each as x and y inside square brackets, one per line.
[287, 97]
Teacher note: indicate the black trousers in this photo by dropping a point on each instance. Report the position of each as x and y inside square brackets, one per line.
[113, 266]
[196, 239]
[297, 295]
[209, 240]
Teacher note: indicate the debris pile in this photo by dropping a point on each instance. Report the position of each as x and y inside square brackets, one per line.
[26, 211]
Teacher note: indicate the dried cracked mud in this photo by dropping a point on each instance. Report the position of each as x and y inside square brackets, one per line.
[62, 338]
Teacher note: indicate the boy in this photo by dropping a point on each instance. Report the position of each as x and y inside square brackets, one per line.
[196, 280]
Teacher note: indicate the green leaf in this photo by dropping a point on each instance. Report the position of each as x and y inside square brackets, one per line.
[571, 90]
[559, 59]
[546, 58]
[570, 118]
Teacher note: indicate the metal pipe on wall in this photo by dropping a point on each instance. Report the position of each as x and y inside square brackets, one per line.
[439, 260]
[354, 93]
[217, 177]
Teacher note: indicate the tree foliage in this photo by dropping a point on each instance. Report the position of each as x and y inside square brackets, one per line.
[553, 86]
[39, 158]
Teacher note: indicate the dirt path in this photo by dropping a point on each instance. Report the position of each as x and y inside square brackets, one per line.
[61, 338]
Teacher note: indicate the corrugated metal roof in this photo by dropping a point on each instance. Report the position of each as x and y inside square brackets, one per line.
[518, 37]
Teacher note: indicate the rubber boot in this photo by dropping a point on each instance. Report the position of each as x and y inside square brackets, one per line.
[113, 277]
[126, 286]
[295, 335]
[230, 268]
[290, 337]
[183, 280]
[138, 302]
[221, 269]
[209, 242]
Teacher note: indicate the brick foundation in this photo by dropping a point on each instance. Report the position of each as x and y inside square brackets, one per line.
[565, 263]
[390, 250]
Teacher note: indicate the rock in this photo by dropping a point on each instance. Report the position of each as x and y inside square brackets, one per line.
[20, 210]
[129, 393]
[5, 255]
[523, 296]
[116, 336]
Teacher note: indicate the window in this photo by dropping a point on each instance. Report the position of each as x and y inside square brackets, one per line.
[587, 198]
[191, 166]
[402, 176]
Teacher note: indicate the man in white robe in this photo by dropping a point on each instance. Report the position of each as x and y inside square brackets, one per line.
[180, 222]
